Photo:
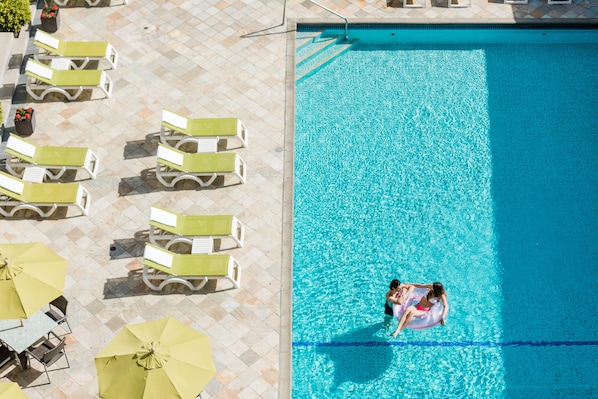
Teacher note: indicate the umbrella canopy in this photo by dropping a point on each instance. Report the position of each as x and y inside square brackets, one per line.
[159, 359]
[31, 276]
[11, 390]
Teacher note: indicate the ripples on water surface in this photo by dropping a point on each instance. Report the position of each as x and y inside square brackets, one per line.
[472, 166]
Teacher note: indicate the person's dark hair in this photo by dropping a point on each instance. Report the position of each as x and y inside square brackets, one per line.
[394, 284]
[438, 289]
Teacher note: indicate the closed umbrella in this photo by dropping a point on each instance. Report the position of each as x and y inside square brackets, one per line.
[154, 360]
[31, 276]
[11, 390]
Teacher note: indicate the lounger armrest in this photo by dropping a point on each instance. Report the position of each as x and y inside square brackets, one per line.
[83, 200]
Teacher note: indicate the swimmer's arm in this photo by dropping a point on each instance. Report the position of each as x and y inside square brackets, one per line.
[393, 298]
[428, 286]
[446, 308]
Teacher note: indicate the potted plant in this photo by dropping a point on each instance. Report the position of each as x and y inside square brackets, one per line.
[25, 121]
[14, 14]
[50, 17]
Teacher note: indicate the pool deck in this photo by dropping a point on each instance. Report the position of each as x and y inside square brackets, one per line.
[214, 58]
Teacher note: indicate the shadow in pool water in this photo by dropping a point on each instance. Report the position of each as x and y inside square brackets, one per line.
[348, 358]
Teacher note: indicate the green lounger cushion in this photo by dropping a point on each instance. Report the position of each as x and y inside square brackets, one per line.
[41, 193]
[202, 127]
[73, 78]
[208, 265]
[212, 127]
[206, 225]
[61, 156]
[199, 163]
[54, 193]
[77, 49]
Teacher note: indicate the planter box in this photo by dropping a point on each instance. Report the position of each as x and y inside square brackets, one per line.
[51, 25]
[26, 127]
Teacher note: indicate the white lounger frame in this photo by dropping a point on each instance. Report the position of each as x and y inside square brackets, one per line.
[194, 283]
[35, 85]
[179, 138]
[53, 172]
[169, 177]
[10, 206]
[170, 219]
[111, 55]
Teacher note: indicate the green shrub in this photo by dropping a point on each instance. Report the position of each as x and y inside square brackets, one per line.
[14, 14]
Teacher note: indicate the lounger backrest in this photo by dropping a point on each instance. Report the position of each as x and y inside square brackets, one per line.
[11, 184]
[46, 39]
[170, 155]
[163, 217]
[39, 69]
[174, 119]
[20, 146]
[158, 256]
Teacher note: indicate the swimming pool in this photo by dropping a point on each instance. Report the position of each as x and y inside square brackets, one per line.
[467, 156]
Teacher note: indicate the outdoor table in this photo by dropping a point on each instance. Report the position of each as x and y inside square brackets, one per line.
[20, 338]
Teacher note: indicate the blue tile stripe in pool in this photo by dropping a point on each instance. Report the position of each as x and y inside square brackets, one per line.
[489, 344]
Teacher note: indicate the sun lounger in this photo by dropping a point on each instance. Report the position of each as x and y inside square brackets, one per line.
[172, 227]
[55, 160]
[175, 165]
[50, 47]
[168, 267]
[43, 198]
[177, 130]
[45, 79]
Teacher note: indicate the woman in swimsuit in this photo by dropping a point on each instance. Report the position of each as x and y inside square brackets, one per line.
[435, 293]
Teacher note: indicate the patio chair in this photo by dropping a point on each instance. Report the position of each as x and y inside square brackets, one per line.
[17, 194]
[168, 267]
[50, 47]
[47, 353]
[179, 129]
[175, 165]
[55, 160]
[45, 79]
[173, 227]
[57, 311]
[7, 356]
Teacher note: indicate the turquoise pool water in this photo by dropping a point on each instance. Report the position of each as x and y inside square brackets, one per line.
[460, 159]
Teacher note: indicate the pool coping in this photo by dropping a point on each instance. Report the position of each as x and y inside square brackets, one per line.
[286, 283]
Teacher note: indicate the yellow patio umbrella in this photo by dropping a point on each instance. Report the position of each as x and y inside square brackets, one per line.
[11, 390]
[31, 276]
[154, 360]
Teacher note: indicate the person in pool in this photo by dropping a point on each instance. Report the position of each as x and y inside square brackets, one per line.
[435, 294]
[396, 294]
